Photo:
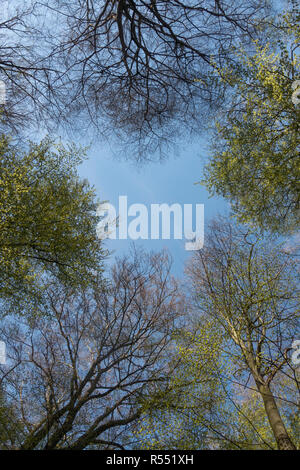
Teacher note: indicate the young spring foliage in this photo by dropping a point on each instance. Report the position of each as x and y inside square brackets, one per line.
[47, 218]
[255, 154]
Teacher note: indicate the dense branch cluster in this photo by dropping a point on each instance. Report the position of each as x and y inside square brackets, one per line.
[144, 70]
[77, 373]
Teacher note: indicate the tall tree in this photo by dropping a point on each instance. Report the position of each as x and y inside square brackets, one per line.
[47, 218]
[145, 70]
[255, 151]
[76, 375]
[208, 403]
[250, 290]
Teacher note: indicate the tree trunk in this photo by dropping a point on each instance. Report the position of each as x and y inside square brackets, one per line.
[280, 433]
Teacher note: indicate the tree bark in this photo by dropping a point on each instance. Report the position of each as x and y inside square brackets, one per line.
[283, 440]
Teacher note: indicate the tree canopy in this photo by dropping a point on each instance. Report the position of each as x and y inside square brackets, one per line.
[114, 356]
[255, 151]
[78, 370]
[47, 218]
[236, 386]
[143, 71]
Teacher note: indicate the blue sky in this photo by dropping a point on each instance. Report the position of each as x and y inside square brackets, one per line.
[172, 181]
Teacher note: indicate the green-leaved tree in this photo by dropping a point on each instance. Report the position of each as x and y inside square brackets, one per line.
[47, 218]
[255, 154]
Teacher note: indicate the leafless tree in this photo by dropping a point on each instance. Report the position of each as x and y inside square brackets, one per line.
[76, 374]
[26, 69]
[143, 70]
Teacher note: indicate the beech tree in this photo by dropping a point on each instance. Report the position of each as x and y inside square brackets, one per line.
[78, 369]
[210, 402]
[144, 70]
[255, 148]
[250, 289]
[47, 219]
